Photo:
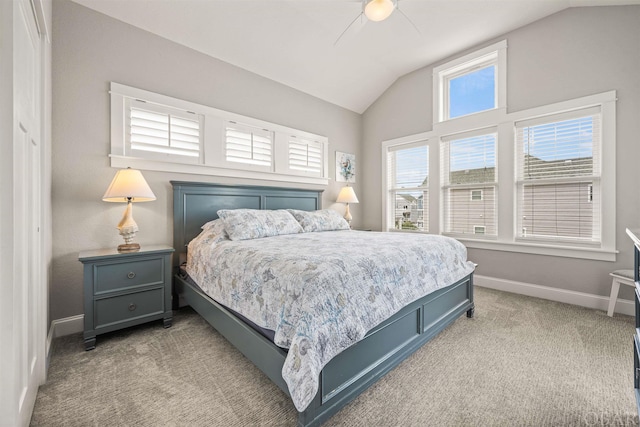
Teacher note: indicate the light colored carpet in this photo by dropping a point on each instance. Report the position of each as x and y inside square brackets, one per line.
[520, 362]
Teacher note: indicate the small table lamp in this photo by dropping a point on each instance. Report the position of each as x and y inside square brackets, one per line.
[128, 186]
[347, 195]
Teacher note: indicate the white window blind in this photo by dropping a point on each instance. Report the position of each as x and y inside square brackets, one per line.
[469, 173]
[163, 131]
[248, 145]
[407, 182]
[558, 177]
[306, 156]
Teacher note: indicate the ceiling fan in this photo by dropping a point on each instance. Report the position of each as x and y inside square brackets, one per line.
[376, 11]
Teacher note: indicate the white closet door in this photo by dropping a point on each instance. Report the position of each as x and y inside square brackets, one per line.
[28, 321]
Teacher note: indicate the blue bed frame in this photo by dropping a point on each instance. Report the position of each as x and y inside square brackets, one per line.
[353, 370]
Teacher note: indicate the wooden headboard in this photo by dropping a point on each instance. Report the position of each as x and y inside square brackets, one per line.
[196, 203]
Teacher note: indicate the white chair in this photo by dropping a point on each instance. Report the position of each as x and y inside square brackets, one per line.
[624, 277]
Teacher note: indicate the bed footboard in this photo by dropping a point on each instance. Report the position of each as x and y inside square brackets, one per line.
[385, 347]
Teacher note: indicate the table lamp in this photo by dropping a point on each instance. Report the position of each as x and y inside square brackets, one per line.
[128, 186]
[347, 195]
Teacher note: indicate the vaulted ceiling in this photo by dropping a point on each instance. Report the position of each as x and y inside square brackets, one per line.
[294, 41]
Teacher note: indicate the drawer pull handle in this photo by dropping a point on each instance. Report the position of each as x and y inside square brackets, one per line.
[131, 275]
[132, 307]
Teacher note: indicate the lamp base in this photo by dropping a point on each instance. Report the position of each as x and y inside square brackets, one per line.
[129, 247]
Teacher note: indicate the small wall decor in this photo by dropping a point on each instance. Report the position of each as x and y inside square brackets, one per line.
[345, 167]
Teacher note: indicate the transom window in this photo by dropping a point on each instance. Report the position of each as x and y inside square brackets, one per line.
[151, 131]
[472, 84]
[471, 92]
[164, 133]
[248, 144]
[306, 156]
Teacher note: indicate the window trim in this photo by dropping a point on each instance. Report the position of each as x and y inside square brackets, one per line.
[212, 161]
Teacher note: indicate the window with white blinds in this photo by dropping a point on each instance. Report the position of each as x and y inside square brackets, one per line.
[163, 132]
[248, 145]
[558, 177]
[469, 178]
[407, 184]
[306, 156]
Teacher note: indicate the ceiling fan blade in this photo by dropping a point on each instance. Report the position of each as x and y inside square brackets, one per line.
[408, 19]
[348, 27]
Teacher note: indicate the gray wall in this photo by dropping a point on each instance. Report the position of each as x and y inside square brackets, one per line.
[574, 53]
[89, 51]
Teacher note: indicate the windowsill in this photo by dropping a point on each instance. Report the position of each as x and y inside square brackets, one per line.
[543, 249]
[531, 248]
[155, 165]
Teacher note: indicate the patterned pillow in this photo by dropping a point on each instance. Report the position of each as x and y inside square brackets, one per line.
[244, 224]
[215, 230]
[322, 220]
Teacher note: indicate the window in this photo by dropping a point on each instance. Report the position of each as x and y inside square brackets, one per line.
[305, 156]
[249, 145]
[469, 176]
[407, 183]
[472, 91]
[559, 177]
[164, 133]
[555, 192]
[471, 84]
[150, 131]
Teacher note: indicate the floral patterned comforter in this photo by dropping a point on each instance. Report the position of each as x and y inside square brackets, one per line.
[321, 292]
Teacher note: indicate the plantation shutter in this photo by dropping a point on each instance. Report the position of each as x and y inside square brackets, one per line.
[558, 173]
[469, 174]
[164, 131]
[248, 145]
[306, 156]
[407, 182]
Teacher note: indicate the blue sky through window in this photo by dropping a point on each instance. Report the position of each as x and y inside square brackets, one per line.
[472, 92]
[565, 140]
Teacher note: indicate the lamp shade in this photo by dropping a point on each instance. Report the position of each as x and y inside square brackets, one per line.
[128, 184]
[347, 195]
[378, 10]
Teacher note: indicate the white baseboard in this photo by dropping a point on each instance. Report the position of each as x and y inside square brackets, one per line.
[554, 294]
[64, 326]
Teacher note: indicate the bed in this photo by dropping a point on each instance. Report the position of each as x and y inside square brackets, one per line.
[349, 373]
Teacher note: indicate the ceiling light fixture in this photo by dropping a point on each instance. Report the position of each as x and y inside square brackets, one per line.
[378, 10]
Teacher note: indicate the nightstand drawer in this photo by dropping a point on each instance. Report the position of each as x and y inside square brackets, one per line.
[128, 307]
[110, 277]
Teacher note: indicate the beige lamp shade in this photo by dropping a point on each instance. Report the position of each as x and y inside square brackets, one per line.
[128, 184]
[347, 195]
[378, 10]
